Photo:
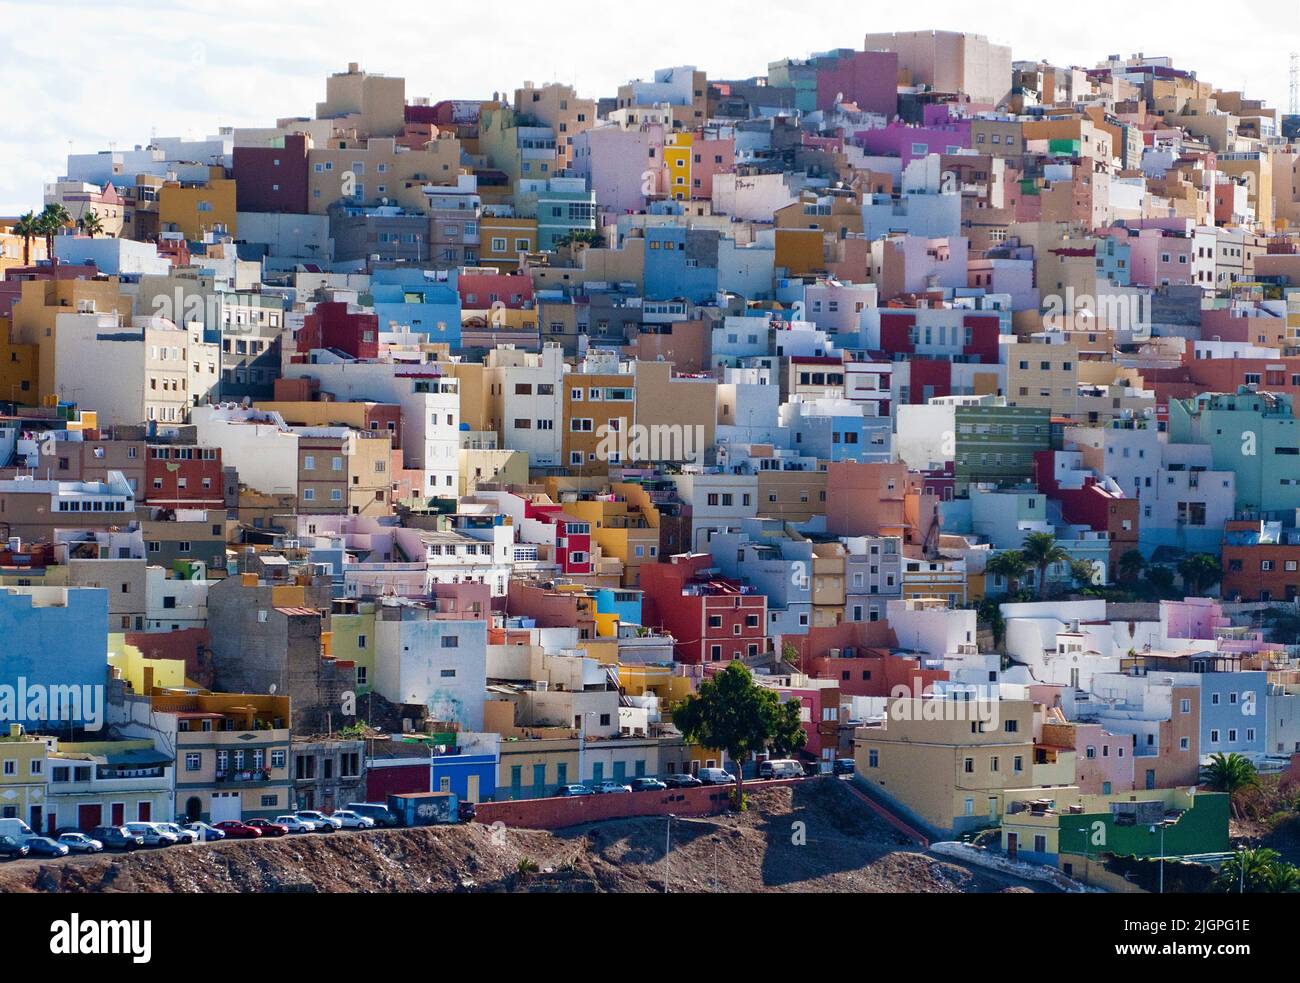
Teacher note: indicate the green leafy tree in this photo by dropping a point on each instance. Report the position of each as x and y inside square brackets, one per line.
[1161, 580]
[1041, 550]
[1200, 573]
[1083, 572]
[1009, 565]
[732, 713]
[1232, 773]
[1131, 565]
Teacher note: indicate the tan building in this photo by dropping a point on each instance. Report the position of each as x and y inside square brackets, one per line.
[561, 108]
[344, 472]
[949, 762]
[364, 172]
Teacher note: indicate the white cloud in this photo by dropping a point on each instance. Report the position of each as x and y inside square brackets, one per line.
[96, 74]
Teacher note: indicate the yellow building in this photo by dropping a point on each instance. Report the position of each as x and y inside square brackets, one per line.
[23, 760]
[35, 321]
[194, 210]
[504, 238]
[677, 165]
[352, 639]
[140, 673]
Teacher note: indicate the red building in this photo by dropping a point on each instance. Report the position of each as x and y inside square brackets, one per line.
[272, 179]
[479, 291]
[711, 619]
[183, 477]
[332, 325]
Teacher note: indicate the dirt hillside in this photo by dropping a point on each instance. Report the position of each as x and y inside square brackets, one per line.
[812, 837]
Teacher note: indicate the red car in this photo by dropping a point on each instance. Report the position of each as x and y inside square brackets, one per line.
[268, 828]
[236, 830]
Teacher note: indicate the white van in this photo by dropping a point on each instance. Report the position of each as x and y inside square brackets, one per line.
[780, 768]
[716, 776]
[15, 828]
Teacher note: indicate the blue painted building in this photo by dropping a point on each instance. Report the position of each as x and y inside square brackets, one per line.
[624, 603]
[1233, 705]
[681, 263]
[458, 772]
[53, 655]
[409, 298]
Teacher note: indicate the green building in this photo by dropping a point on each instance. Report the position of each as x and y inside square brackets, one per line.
[995, 444]
[1254, 435]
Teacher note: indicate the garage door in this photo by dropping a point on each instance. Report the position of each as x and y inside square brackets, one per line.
[89, 816]
[225, 805]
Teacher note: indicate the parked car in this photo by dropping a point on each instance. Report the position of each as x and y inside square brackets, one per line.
[467, 811]
[268, 828]
[80, 843]
[43, 846]
[569, 791]
[780, 768]
[182, 834]
[647, 785]
[323, 822]
[844, 766]
[682, 780]
[351, 820]
[716, 776]
[612, 787]
[153, 834]
[12, 848]
[206, 833]
[117, 838]
[373, 810]
[295, 824]
[236, 830]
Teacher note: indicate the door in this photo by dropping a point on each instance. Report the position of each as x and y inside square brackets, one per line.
[35, 822]
[118, 810]
[144, 811]
[226, 805]
[1013, 845]
[89, 816]
[471, 790]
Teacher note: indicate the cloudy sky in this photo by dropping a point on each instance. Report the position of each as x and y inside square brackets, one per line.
[81, 75]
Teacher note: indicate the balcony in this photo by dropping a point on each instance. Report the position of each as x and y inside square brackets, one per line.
[244, 776]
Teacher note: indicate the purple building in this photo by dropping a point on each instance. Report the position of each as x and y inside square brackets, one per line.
[867, 78]
[272, 179]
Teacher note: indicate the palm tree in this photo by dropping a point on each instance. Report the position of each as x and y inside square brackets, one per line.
[1131, 565]
[1011, 565]
[1200, 572]
[91, 224]
[1041, 551]
[1250, 870]
[27, 228]
[1232, 773]
[52, 220]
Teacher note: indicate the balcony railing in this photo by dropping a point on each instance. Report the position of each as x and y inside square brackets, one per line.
[244, 776]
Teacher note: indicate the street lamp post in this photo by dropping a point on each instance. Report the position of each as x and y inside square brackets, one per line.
[1161, 826]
